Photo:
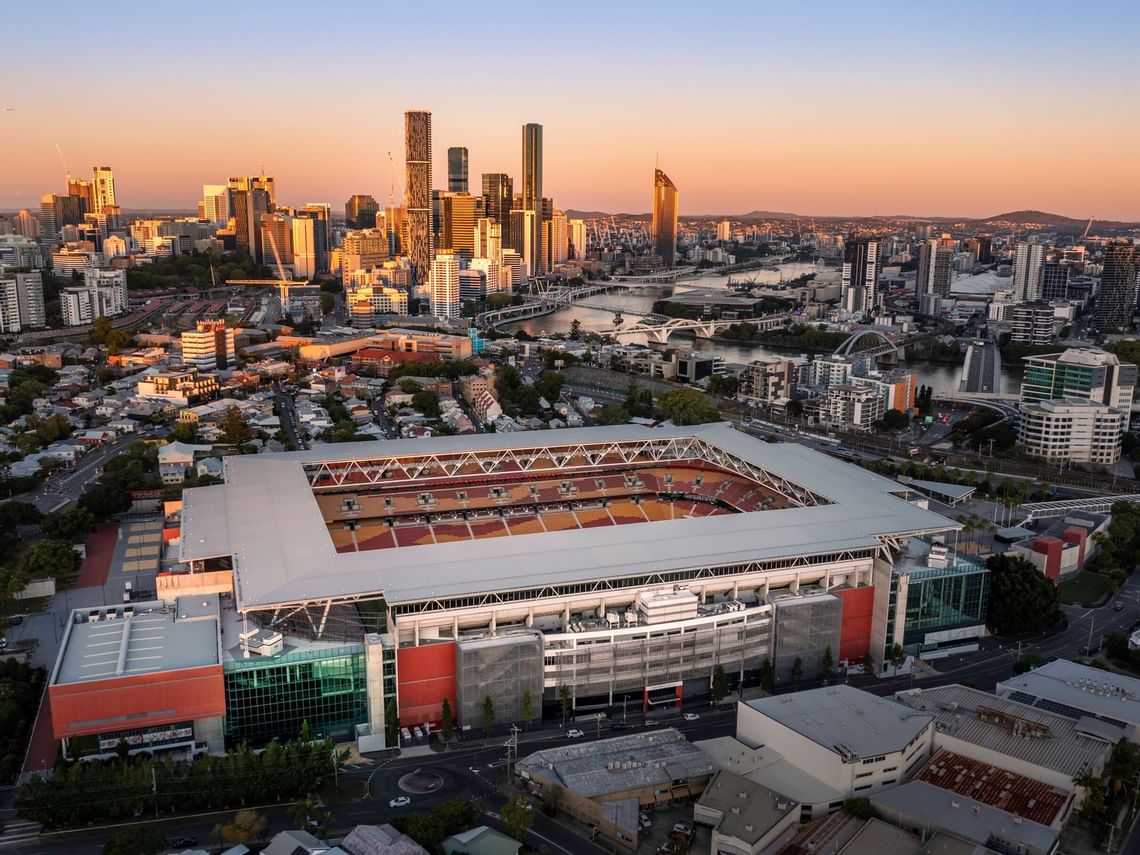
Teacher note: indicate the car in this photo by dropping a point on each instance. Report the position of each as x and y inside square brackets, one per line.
[16, 620]
[691, 716]
[574, 733]
[643, 821]
[183, 842]
[617, 726]
[399, 801]
[681, 828]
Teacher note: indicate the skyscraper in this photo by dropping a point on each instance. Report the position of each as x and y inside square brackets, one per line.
[458, 212]
[1116, 297]
[861, 266]
[445, 285]
[935, 260]
[498, 197]
[522, 233]
[215, 203]
[578, 238]
[664, 228]
[85, 190]
[1055, 281]
[360, 211]
[457, 170]
[1027, 265]
[532, 192]
[247, 205]
[417, 195]
[104, 189]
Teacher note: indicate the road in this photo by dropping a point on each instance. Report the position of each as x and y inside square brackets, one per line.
[64, 486]
[287, 413]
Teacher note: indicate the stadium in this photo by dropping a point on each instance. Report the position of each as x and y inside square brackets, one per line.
[617, 564]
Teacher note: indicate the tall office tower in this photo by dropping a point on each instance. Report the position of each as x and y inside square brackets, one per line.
[458, 212]
[83, 190]
[26, 224]
[277, 239]
[862, 260]
[58, 211]
[532, 193]
[21, 301]
[104, 189]
[457, 170]
[445, 285]
[664, 229]
[215, 203]
[935, 260]
[247, 205]
[304, 241]
[360, 211]
[578, 239]
[522, 233]
[488, 241]
[559, 238]
[321, 212]
[1079, 372]
[396, 228]
[1055, 281]
[985, 248]
[417, 194]
[1116, 297]
[1027, 263]
[498, 199]
[724, 231]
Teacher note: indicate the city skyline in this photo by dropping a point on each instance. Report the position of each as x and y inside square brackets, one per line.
[790, 132]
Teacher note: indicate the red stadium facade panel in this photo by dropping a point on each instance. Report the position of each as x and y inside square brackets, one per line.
[140, 700]
[858, 614]
[425, 676]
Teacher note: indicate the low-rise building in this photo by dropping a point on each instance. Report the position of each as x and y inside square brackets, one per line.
[850, 406]
[745, 817]
[1072, 429]
[1104, 700]
[179, 386]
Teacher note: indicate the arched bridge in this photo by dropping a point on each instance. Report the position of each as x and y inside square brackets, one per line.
[658, 329]
[875, 343]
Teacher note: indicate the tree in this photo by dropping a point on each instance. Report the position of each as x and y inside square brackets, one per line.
[185, 432]
[136, 840]
[719, 684]
[797, 671]
[54, 559]
[310, 813]
[488, 715]
[1022, 600]
[446, 725]
[688, 407]
[767, 675]
[575, 330]
[724, 385]
[611, 414]
[564, 701]
[895, 420]
[328, 302]
[72, 525]
[828, 663]
[794, 409]
[527, 707]
[233, 427]
[426, 402]
[896, 656]
[391, 723]
[517, 817]
[868, 665]
[246, 826]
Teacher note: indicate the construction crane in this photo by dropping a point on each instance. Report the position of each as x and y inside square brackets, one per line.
[1085, 234]
[62, 162]
[392, 186]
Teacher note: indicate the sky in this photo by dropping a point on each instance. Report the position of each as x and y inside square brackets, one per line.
[822, 108]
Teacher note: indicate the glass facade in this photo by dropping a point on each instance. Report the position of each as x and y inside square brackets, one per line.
[940, 599]
[269, 698]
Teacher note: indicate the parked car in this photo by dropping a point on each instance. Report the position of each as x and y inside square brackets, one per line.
[617, 726]
[399, 802]
[643, 820]
[574, 733]
[184, 842]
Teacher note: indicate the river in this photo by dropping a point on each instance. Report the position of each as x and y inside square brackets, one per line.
[942, 377]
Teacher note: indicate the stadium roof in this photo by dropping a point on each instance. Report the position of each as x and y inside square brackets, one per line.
[265, 516]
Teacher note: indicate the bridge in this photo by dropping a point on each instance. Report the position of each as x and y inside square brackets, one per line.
[881, 347]
[661, 276]
[658, 329]
[548, 297]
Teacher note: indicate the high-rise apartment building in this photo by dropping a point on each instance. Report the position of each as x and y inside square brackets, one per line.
[862, 263]
[522, 235]
[26, 224]
[1055, 281]
[321, 214]
[85, 191]
[1028, 261]
[215, 203]
[249, 199]
[935, 266]
[277, 239]
[57, 212]
[303, 242]
[445, 301]
[21, 301]
[1031, 323]
[360, 211]
[724, 231]
[498, 199]
[559, 239]
[103, 293]
[458, 213]
[532, 194]
[362, 250]
[209, 346]
[1119, 280]
[578, 239]
[488, 241]
[417, 195]
[664, 228]
[457, 170]
[103, 189]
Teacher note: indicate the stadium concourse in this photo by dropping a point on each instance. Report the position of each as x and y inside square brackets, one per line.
[617, 564]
